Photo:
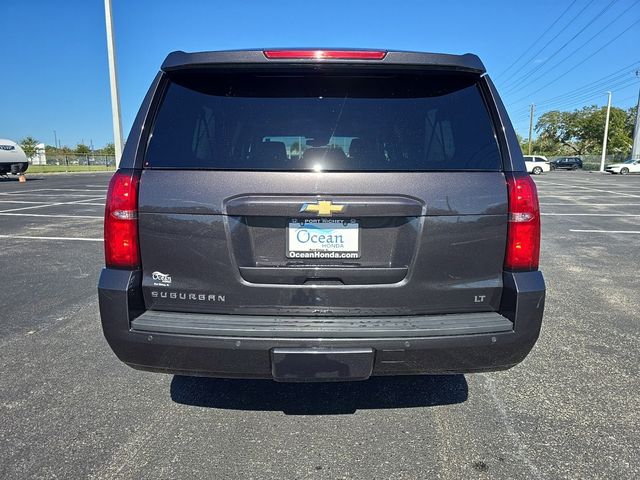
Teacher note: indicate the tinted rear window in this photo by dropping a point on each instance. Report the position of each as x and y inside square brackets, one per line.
[323, 122]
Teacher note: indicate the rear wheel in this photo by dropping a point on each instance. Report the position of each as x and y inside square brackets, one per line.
[537, 171]
[624, 171]
[574, 167]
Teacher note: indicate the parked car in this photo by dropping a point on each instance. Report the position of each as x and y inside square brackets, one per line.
[624, 168]
[389, 247]
[12, 158]
[566, 163]
[536, 164]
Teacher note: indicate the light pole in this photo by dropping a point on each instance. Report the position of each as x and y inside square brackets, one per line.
[606, 134]
[533, 109]
[113, 83]
[635, 150]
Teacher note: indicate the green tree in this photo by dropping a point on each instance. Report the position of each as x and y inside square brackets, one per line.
[82, 149]
[108, 149]
[29, 145]
[580, 132]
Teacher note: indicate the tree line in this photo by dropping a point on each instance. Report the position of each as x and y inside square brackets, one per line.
[581, 131]
[29, 145]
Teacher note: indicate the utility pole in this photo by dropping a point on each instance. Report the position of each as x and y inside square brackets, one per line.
[113, 83]
[635, 150]
[606, 133]
[55, 139]
[533, 109]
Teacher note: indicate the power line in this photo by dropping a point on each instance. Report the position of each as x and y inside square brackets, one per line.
[596, 83]
[583, 100]
[537, 68]
[533, 80]
[581, 62]
[553, 38]
[524, 115]
[537, 39]
[608, 84]
[572, 99]
[615, 82]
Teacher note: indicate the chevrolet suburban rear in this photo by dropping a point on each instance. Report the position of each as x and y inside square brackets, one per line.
[320, 215]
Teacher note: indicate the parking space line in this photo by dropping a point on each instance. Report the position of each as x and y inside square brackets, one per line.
[19, 201]
[81, 195]
[574, 197]
[582, 204]
[592, 214]
[94, 190]
[599, 190]
[636, 232]
[564, 191]
[46, 205]
[49, 215]
[85, 202]
[23, 191]
[28, 237]
[77, 189]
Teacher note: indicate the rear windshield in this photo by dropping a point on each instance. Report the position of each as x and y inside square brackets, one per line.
[393, 122]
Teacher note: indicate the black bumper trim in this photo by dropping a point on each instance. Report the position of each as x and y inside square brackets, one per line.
[320, 327]
[120, 299]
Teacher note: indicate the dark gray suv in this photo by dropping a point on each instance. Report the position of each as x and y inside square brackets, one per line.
[315, 215]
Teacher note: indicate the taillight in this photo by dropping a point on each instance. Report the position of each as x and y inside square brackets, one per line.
[121, 246]
[523, 237]
[326, 54]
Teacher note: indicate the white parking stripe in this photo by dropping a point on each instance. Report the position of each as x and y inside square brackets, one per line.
[46, 205]
[96, 190]
[25, 237]
[607, 231]
[592, 214]
[582, 204]
[80, 195]
[19, 201]
[85, 202]
[599, 190]
[50, 215]
[23, 191]
[579, 192]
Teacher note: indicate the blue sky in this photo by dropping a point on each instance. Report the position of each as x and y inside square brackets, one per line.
[54, 72]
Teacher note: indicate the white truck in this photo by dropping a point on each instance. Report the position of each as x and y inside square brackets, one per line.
[12, 158]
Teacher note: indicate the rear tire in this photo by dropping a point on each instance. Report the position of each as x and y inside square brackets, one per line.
[536, 171]
[624, 171]
[575, 167]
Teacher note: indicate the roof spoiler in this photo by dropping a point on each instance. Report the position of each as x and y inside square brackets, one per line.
[180, 60]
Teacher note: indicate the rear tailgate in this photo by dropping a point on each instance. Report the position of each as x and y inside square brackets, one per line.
[322, 194]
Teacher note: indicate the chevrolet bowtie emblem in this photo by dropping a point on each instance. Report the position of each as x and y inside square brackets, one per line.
[324, 208]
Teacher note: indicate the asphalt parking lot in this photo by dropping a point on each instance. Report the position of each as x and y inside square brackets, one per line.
[70, 409]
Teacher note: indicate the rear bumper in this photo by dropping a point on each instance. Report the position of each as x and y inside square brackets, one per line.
[434, 346]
